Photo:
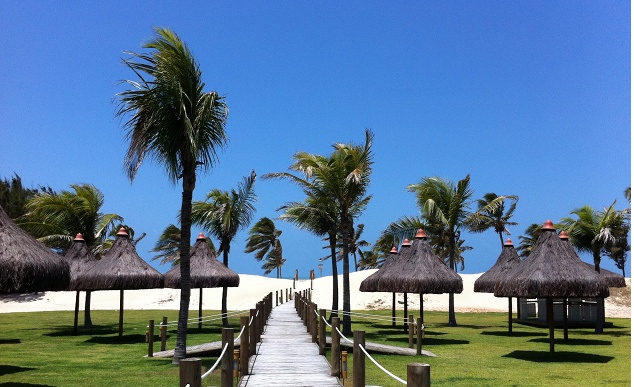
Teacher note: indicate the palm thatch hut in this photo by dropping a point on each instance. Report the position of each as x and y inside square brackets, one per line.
[206, 272]
[81, 260]
[371, 282]
[552, 270]
[418, 270]
[121, 269]
[26, 265]
[507, 261]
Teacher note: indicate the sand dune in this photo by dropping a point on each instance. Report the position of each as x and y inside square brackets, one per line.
[252, 288]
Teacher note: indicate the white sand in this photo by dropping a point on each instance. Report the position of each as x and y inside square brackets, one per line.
[253, 288]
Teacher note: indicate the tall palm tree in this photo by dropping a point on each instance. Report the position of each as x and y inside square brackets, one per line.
[342, 178]
[528, 240]
[222, 215]
[264, 240]
[55, 218]
[445, 207]
[179, 125]
[356, 243]
[491, 214]
[594, 232]
[167, 245]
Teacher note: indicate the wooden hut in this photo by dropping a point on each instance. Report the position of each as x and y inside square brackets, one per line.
[370, 283]
[26, 265]
[507, 261]
[551, 271]
[121, 269]
[206, 271]
[81, 260]
[418, 270]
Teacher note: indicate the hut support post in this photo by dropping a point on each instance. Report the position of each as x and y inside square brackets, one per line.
[405, 311]
[510, 314]
[565, 311]
[200, 310]
[551, 323]
[76, 313]
[421, 307]
[358, 360]
[87, 318]
[164, 334]
[393, 309]
[121, 313]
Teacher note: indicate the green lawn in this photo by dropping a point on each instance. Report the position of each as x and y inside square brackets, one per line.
[38, 349]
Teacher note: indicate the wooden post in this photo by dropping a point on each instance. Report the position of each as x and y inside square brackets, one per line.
[335, 353]
[419, 336]
[405, 311]
[260, 320]
[313, 322]
[276, 299]
[393, 309]
[551, 324]
[190, 372]
[421, 301]
[322, 332]
[236, 363]
[344, 365]
[410, 329]
[418, 375]
[226, 363]
[121, 313]
[358, 360]
[76, 313]
[150, 343]
[253, 336]
[510, 314]
[565, 306]
[164, 334]
[244, 346]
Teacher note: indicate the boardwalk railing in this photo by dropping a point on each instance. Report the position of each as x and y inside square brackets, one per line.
[233, 363]
[418, 375]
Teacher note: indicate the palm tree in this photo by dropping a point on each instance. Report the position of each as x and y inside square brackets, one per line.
[356, 243]
[264, 241]
[222, 215]
[179, 125]
[342, 178]
[445, 208]
[491, 214]
[167, 245]
[594, 232]
[56, 218]
[528, 240]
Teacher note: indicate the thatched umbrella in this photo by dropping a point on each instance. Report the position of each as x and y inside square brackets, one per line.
[370, 283]
[26, 265]
[506, 262]
[419, 270]
[81, 260]
[206, 272]
[121, 269]
[552, 270]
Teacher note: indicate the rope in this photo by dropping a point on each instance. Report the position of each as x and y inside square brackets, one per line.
[381, 367]
[343, 337]
[202, 319]
[326, 321]
[238, 338]
[216, 364]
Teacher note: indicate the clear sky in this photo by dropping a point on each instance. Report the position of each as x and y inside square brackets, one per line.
[532, 98]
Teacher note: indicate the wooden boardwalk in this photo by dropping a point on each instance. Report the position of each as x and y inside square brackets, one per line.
[286, 356]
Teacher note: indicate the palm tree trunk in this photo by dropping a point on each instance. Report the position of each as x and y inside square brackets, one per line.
[452, 312]
[347, 323]
[180, 351]
[335, 279]
[501, 238]
[600, 300]
[225, 320]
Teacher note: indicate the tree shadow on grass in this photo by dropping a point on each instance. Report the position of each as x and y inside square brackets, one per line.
[558, 357]
[514, 334]
[435, 341]
[10, 341]
[15, 384]
[6, 369]
[561, 341]
[95, 330]
[125, 339]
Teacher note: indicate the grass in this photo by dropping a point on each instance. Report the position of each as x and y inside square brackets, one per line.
[39, 349]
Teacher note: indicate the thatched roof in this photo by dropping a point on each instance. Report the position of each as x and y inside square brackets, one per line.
[506, 262]
[551, 270]
[613, 279]
[121, 269]
[419, 270]
[206, 271]
[371, 283]
[26, 265]
[80, 259]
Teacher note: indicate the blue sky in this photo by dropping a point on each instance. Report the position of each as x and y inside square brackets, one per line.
[530, 98]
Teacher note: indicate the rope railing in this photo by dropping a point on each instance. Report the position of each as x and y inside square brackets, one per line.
[212, 317]
[381, 367]
[342, 336]
[213, 367]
